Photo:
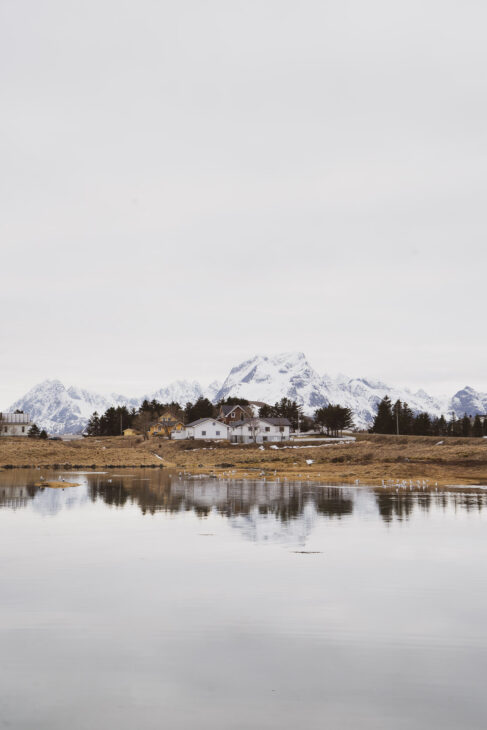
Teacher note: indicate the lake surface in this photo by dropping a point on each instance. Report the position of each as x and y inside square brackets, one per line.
[149, 600]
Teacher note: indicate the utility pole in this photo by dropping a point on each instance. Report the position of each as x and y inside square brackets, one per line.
[121, 431]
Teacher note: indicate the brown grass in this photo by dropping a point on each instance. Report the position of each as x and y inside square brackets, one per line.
[370, 459]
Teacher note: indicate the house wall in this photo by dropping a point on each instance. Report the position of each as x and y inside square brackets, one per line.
[238, 414]
[207, 430]
[14, 429]
[210, 430]
[264, 432]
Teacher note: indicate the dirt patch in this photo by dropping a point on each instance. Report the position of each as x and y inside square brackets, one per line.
[368, 460]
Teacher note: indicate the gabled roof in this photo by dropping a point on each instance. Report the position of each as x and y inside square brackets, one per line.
[277, 421]
[204, 420]
[226, 410]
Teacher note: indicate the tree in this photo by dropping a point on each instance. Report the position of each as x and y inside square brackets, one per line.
[232, 401]
[384, 420]
[285, 408]
[34, 432]
[265, 411]
[93, 427]
[43, 434]
[334, 418]
[203, 408]
[422, 425]
[477, 429]
[142, 422]
[466, 426]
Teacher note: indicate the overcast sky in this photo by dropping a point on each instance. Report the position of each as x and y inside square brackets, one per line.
[185, 184]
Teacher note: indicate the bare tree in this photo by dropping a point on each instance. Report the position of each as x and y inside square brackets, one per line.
[142, 422]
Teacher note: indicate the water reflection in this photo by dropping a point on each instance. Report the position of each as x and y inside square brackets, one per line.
[163, 491]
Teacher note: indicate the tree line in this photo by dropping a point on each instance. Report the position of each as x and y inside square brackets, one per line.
[399, 418]
[116, 419]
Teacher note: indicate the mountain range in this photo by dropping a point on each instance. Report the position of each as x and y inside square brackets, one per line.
[60, 409]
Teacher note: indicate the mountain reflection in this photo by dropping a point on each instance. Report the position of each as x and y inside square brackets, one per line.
[155, 491]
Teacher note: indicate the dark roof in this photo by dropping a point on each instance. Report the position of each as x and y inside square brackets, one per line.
[272, 421]
[278, 421]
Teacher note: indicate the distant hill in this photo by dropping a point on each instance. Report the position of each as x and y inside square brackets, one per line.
[60, 409]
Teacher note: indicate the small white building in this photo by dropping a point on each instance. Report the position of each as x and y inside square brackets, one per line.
[14, 424]
[260, 430]
[204, 428]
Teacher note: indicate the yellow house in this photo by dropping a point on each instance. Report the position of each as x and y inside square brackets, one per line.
[166, 424]
[130, 432]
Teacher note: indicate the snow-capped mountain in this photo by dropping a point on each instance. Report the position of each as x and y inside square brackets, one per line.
[469, 401]
[269, 379]
[66, 410]
[290, 375]
[60, 410]
[181, 391]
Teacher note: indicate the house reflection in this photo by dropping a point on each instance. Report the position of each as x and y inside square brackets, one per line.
[159, 490]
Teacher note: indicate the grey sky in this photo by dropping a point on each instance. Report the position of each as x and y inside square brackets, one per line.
[185, 184]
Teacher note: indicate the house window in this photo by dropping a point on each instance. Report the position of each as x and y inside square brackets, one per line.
[232, 415]
[203, 433]
[217, 433]
[267, 428]
[23, 429]
[281, 429]
[264, 438]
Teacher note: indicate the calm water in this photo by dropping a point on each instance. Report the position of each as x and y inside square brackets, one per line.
[151, 601]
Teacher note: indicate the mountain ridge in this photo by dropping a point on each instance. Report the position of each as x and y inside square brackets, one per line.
[60, 409]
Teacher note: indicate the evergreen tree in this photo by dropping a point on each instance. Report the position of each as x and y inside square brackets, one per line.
[334, 418]
[43, 434]
[466, 426]
[203, 408]
[477, 429]
[93, 427]
[442, 426]
[384, 420]
[232, 401]
[422, 425]
[33, 432]
[265, 411]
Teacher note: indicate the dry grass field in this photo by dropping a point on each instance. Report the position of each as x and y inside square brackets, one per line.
[370, 459]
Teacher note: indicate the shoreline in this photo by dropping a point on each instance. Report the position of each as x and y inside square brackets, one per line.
[370, 460]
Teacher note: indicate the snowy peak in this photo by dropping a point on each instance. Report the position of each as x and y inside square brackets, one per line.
[469, 401]
[181, 391]
[269, 379]
[261, 378]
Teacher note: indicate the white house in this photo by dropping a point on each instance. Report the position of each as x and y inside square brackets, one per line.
[204, 428]
[260, 430]
[14, 424]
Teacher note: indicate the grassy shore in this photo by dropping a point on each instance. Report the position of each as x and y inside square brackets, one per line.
[370, 459]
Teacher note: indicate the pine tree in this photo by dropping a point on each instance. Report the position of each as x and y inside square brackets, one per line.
[466, 426]
[33, 432]
[384, 420]
[477, 429]
[93, 427]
